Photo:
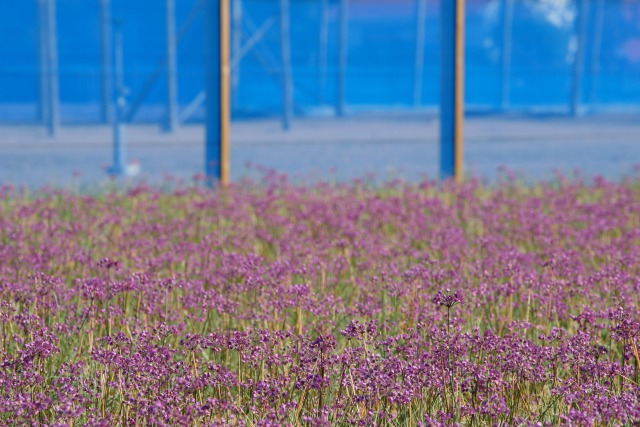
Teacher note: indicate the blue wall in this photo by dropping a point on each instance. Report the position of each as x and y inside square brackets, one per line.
[381, 54]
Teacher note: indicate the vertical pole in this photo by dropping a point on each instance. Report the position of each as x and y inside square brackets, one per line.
[43, 82]
[452, 88]
[217, 91]
[105, 57]
[578, 64]
[171, 120]
[596, 47]
[322, 50]
[343, 30]
[119, 148]
[285, 50]
[421, 16]
[225, 98]
[52, 70]
[507, 31]
[236, 43]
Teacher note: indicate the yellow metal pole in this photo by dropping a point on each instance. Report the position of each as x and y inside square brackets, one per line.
[459, 91]
[225, 98]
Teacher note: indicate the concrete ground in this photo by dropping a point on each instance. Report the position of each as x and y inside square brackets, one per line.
[386, 145]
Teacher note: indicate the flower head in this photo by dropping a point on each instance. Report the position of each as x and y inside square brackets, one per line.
[448, 299]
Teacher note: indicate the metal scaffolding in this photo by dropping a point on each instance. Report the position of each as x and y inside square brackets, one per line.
[271, 34]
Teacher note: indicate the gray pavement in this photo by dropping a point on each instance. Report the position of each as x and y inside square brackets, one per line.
[387, 146]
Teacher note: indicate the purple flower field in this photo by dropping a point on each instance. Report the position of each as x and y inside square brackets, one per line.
[329, 304]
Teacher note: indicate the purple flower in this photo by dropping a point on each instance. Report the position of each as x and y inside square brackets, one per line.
[448, 299]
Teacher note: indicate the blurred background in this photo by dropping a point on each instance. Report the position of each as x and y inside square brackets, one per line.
[319, 88]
